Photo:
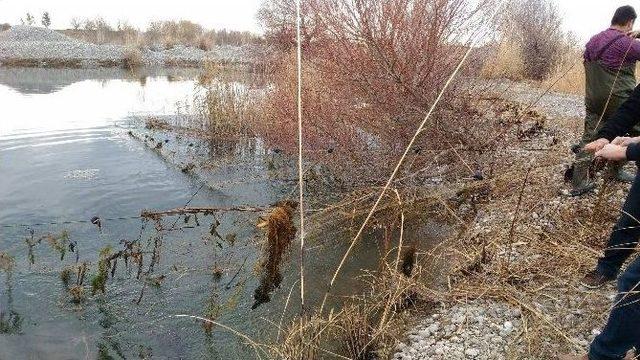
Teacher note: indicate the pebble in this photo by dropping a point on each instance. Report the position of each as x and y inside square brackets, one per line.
[478, 330]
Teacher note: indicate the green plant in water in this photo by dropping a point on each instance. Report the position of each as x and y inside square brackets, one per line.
[99, 280]
[59, 243]
[10, 323]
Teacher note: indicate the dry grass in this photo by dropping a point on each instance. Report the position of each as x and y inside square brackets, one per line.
[506, 62]
[166, 34]
[514, 239]
[225, 108]
[132, 59]
[567, 76]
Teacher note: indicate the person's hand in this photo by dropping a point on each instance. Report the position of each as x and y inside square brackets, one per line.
[596, 146]
[620, 140]
[613, 152]
[634, 34]
[625, 141]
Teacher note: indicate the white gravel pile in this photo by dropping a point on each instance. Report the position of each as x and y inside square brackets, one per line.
[29, 33]
[479, 330]
[40, 45]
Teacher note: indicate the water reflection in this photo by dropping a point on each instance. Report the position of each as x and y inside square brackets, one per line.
[46, 81]
[87, 104]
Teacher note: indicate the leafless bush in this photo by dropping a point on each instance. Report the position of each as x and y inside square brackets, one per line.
[372, 72]
[278, 19]
[206, 42]
[536, 26]
[5, 27]
[76, 23]
[132, 58]
[172, 33]
[237, 38]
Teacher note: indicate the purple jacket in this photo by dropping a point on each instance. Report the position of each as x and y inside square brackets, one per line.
[613, 56]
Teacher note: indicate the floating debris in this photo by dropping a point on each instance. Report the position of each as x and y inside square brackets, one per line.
[86, 174]
[7, 262]
[188, 168]
[97, 222]
[280, 234]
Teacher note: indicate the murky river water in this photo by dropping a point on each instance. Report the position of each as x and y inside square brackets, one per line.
[65, 156]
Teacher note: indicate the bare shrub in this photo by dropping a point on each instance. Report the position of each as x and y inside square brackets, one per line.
[172, 33]
[206, 42]
[372, 72]
[236, 38]
[132, 58]
[5, 27]
[278, 19]
[536, 26]
[76, 23]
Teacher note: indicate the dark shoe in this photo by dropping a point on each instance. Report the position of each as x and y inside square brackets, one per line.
[625, 177]
[568, 174]
[576, 148]
[595, 280]
[581, 190]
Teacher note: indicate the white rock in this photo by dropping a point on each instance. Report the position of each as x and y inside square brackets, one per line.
[471, 352]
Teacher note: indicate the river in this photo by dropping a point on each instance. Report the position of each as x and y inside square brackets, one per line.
[66, 157]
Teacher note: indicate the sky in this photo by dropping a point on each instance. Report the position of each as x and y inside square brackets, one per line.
[229, 14]
[582, 17]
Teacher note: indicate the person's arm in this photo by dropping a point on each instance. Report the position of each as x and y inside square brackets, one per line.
[633, 152]
[614, 152]
[634, 50]
[625, 118]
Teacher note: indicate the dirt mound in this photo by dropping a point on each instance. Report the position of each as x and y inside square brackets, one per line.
[30, 33]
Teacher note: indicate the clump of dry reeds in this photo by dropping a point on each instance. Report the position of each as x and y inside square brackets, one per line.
[356, 333]
[132, 59]
[302, 339]
[225, 108]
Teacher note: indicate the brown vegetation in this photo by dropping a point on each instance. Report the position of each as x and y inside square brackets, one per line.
[132, 59]
[280, 234]
[225, 108]
[531, 46]
[368, 80]
[163, 34]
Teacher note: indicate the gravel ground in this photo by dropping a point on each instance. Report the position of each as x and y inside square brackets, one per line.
[478, 330]
[43, 46]
[484, 329]
[552, 104]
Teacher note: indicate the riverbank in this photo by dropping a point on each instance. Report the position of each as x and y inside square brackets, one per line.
[38, 47]
[514, 290]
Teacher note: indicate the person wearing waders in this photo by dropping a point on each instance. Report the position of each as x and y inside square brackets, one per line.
[609, 61]
[622, 332]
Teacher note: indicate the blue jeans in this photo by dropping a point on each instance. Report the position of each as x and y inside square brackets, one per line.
[625, 235]
[622, 331]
